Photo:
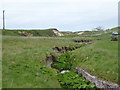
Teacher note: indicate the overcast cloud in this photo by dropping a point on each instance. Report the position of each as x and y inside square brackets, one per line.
[69, 15]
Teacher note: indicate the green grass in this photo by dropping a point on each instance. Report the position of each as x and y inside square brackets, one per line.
[92, 32]
[16, 50]
[24, 57]
[28, 74]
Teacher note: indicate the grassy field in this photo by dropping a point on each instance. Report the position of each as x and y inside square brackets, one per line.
[28, 51]
[24, 59]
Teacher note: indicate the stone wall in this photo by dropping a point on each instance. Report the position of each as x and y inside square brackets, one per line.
[99, 83]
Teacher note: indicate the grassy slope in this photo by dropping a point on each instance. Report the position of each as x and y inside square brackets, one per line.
[100, 58]
[47, 32]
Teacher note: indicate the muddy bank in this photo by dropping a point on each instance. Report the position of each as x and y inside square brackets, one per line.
[82, 41]
[99, 83]
[50, 59]
[65, 49]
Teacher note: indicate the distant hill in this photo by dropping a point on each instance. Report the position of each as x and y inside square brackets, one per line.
[47, 32]
[108, 31]
[54, 32]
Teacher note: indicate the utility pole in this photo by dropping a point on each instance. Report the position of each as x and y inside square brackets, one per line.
[3, 19]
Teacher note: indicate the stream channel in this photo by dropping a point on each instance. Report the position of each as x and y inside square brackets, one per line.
[70, 76]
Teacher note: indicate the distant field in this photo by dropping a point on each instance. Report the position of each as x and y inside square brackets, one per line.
[24, 59]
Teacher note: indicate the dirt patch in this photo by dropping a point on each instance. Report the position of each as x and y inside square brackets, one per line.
[50, 59]
[79, 33]
[82, 41]
[58, 33]
[114, 39]
[65, 49]
[98, 39]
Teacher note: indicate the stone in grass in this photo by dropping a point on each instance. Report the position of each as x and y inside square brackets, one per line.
[64, 71]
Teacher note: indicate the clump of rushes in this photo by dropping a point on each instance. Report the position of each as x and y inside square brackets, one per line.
[74, 80]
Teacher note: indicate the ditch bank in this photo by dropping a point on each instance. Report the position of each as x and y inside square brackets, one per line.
[64, 65]
[67, 75]
[50, 59]
[65, 49]
[82, 41]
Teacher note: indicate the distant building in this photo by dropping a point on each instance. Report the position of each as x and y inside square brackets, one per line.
[114, 33]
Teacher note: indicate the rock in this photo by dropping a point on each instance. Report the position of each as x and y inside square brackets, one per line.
[99, 83]
[64, 71]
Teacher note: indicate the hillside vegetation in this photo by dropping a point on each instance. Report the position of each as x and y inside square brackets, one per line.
[47, 32]
[24, 59]
[51, 32]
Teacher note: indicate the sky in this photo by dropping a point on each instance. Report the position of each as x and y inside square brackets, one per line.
[65, 15]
